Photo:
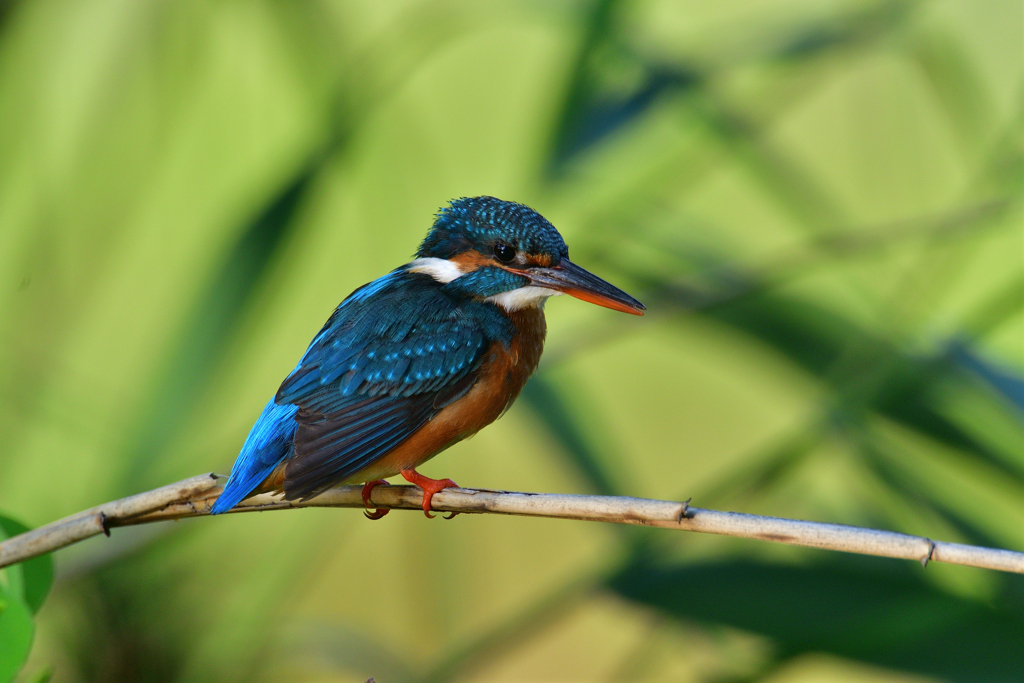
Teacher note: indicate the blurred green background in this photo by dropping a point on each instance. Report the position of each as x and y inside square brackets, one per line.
[819, 202]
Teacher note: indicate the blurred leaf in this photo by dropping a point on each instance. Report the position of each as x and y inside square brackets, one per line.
[767, 467]
[883, 465]
[518, 625]
[592, 113]
[998, 307]
[16, 633]
[596, 27]
[562, 423]
[134, 629]
[884, 378]
[1009, 385]
[31, 579]
[954, 80]
[215, 316]
[7, 8]
[349, 650]
[859, 29]
[875, 611]
[603, 116]
[42, 676]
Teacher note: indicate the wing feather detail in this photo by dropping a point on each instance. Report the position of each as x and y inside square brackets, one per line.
[392, 355]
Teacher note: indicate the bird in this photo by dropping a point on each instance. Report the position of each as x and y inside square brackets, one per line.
[418, 359]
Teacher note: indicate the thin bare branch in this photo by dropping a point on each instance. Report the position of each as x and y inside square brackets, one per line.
[99, 519]
[194, 497]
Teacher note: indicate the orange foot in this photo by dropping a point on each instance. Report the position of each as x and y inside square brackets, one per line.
[429, 486]
[367, 488]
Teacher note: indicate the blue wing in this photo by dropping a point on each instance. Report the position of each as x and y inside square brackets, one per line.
[391, 357]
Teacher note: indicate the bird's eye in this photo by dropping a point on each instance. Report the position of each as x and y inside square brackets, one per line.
[504, 252]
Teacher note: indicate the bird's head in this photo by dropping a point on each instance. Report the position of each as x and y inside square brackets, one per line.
[509, 254]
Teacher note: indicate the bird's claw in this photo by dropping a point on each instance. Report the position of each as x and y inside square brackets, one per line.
[429, 487]
[367, 490]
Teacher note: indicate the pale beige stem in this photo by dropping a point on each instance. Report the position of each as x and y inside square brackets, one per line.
[193, 498]
[99, 519]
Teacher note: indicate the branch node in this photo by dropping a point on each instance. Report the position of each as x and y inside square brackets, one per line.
[684, 512]
[931, 551]
[104, 524]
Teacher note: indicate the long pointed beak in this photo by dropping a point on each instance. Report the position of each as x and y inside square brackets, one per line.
[569, 278]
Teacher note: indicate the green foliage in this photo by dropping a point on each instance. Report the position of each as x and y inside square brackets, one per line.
[16, 631]
[41, 676]
[871, 611]
[23, 588]
[30, 580]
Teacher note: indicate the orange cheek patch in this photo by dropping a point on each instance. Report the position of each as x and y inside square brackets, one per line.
[542, 260]
[468, 261]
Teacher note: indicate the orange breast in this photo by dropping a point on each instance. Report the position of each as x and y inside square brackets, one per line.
[503, 374]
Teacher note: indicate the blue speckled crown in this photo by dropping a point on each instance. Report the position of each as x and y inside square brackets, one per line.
[479, 222]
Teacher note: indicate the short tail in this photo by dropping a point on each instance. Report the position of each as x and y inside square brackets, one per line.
[238, 489]
[269, 443]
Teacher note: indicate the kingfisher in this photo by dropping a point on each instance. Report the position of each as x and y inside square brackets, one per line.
[418, 359]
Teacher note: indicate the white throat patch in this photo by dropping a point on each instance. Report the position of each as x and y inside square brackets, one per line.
[445, 271]
[441, 269]
[524, 297]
